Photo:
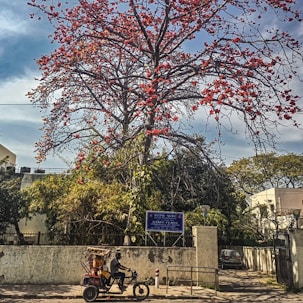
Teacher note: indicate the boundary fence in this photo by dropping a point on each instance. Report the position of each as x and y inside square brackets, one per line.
[104, 238]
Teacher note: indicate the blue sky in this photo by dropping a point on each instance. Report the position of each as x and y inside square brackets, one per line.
[22, 40]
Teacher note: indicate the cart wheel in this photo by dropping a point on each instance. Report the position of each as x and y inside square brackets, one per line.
[90, 293]
[140, 291]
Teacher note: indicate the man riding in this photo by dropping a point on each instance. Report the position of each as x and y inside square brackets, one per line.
[115, 265]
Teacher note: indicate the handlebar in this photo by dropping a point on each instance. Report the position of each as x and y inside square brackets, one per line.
[133, 272]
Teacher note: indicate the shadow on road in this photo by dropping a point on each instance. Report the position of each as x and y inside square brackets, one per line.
[249, 286]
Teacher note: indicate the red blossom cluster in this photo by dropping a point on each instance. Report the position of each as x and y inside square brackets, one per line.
[120, 68]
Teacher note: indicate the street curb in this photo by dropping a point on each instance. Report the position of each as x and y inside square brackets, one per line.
[61, 292]
[154, 297]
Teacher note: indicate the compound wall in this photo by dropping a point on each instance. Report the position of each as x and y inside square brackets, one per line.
[61, 264]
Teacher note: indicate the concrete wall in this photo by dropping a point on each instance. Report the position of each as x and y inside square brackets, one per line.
[206, 243]
[262, 259]
[61, 264]
[296, 250]
[28, 179]
[259, 259]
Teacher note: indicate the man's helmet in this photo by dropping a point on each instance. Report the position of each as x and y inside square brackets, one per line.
[118, 255]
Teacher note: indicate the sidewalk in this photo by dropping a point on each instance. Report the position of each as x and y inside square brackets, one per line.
[75, 291]
[235, 286]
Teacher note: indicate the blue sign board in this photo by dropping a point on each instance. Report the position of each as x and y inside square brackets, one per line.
[165, 221]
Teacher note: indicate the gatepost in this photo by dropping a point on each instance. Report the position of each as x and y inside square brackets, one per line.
[296, 250]
[206, 244]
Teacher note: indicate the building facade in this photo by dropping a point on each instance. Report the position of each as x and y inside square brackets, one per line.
[7, 158]
[278, 209]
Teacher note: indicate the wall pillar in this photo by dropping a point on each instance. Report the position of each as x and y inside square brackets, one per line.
[206, 244]
[296, 250]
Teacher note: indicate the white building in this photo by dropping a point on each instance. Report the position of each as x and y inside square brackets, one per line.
[278, 208]
[8, 158]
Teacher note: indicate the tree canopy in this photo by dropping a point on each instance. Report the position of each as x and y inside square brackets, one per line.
[122, 69]
[254, 174]
[97, 197]
[127, 78]
[101, 197]
[13, 206]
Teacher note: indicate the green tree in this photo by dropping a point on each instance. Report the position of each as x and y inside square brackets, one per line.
[100, 196]
[288, 171]
[46, 196]
[133, 181]
[110, 194]
[255, 174]
[120, 77]
[188, 180]
[13, 207]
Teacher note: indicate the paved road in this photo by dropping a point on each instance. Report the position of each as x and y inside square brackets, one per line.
[246, 286]
[146, 301]
[236, 286]
[113, 301]
[99, 300]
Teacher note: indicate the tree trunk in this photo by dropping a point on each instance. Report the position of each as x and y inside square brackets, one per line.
[19, 234]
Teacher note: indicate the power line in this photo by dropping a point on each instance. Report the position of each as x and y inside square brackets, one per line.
[8, 104]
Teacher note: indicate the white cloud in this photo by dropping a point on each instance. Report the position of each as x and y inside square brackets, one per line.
[20, 124]
[231, 140]
[11, 24]
[15, 20]
[14, 92]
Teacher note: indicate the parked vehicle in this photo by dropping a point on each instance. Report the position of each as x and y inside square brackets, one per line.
[230, 258]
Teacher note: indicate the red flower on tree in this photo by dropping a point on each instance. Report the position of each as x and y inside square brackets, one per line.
[121, 71]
